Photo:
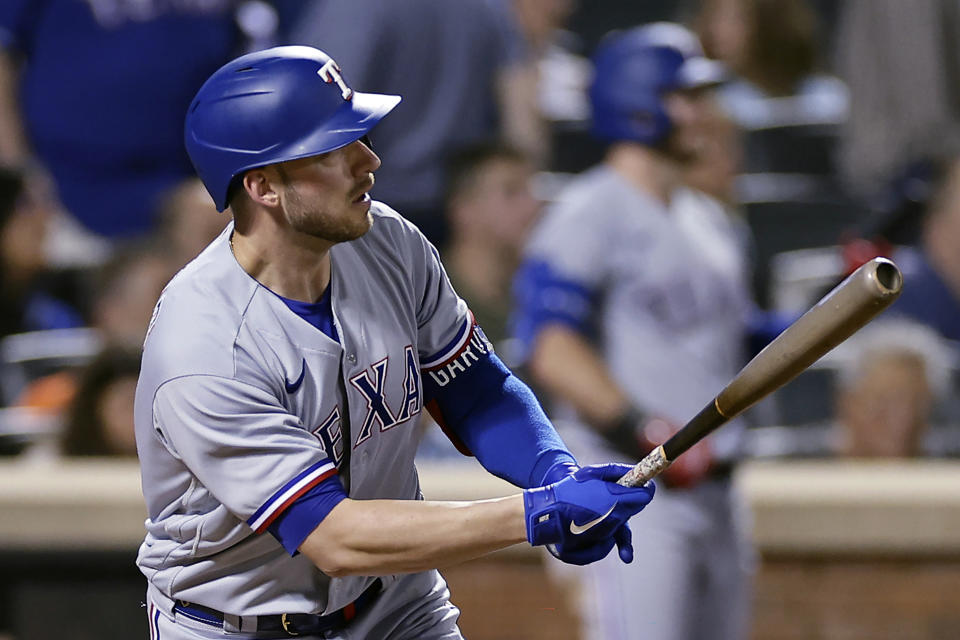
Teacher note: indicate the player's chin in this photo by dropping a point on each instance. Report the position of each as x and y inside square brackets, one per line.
[360, 227]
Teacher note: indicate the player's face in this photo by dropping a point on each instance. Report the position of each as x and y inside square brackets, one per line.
[690, 112]
[327, 196]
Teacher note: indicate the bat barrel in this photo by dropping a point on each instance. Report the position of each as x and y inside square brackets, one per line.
[849, 306]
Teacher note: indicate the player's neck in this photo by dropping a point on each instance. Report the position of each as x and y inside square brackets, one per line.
[293, 267]
[646, 169]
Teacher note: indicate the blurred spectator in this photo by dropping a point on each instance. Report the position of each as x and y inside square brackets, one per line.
[96, 93]
[594, 20]
[100, 417]
[27, 301]
[188, 221]
[457, 67]
[772, 49]
[123, 293]
[555, 86]
[125, 290]
[490, 209]
[789, 111]
[890, 374]
[931, 292]
[902, 64]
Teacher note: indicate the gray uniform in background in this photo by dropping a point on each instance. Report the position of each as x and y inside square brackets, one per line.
[241, 403]
[670, 302]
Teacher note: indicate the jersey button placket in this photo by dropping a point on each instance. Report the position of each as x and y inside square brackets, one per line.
[352, 358]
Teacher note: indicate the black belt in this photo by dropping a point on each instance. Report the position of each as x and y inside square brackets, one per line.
[291, 624]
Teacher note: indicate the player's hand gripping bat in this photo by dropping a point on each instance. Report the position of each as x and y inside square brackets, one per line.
[848, 307]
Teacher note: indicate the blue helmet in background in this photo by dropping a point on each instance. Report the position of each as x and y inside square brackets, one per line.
[632, 72]
[270, 106]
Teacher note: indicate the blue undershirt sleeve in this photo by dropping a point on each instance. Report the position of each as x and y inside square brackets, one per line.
[543, 297]
[296, 522]
[480, 402]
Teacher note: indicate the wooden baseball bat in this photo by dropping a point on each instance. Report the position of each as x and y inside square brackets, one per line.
[839, 314]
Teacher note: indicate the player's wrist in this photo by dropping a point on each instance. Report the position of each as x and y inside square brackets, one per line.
[543, 526]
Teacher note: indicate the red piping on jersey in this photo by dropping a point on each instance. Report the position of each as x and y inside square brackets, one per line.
[283, 507]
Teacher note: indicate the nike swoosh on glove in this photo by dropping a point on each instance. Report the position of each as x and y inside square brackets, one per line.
[582, 516]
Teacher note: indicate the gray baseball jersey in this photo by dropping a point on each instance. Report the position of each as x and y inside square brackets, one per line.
[241, 404]
[668, 301]
[670, 285]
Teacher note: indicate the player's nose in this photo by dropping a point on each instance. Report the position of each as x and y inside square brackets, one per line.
[365, 160]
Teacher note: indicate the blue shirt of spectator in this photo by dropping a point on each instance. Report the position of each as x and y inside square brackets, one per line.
[104, 87]
[926, 296]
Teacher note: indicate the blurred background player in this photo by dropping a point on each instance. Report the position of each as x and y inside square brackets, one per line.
[632, 303]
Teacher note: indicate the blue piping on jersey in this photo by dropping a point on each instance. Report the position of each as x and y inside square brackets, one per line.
[450, 350]
[289, 492]
[297, 521]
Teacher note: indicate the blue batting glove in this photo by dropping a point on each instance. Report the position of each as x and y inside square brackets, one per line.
[582, 516]
[581, 552]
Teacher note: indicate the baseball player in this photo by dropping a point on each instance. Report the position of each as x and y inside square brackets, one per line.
[632, 302]
[282, 376]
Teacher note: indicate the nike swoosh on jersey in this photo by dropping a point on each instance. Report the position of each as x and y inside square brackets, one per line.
[577, 529]
[292, 387]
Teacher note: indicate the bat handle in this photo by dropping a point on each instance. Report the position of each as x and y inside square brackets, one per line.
[647, 469]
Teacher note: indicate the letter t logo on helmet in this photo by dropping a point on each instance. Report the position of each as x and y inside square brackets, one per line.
[330, 72]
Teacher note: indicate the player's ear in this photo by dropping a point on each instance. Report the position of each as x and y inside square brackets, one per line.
[262, 187]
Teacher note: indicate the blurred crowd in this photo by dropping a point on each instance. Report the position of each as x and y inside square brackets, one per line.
[818, 149]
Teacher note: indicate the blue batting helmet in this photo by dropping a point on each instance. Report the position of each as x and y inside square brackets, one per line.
[270, 106]
[632, 71]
